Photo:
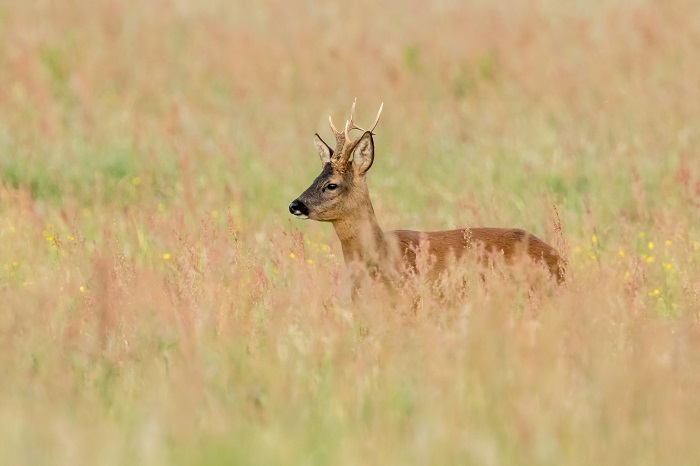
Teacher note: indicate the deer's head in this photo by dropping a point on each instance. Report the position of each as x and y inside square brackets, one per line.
[340, 190]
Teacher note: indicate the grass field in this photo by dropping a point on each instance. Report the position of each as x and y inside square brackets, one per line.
[161, 306]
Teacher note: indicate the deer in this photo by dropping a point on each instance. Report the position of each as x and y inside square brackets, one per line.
[340, 195]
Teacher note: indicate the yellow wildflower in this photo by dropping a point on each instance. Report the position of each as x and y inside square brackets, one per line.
[136, 181]
[667, 242]
[166, 256]
[667, 266]
[291, 255]
[656, 292]
[214, 213]
[309, 261]
[621, 252]
[650, 245]
[82, 289]
[650, 259]
[594, 239]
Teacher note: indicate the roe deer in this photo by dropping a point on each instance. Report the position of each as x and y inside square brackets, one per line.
[339, 195]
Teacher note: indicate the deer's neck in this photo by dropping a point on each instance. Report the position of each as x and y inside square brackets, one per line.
[361, 237]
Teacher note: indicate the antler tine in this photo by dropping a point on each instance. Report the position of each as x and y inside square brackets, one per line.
[352, 110]
[339, 137]
[330, 121]
[376, 120]
[350, 125]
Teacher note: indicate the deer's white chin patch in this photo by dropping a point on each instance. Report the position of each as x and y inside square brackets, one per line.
[303, 217]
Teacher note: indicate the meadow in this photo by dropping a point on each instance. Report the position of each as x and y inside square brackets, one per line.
[159, 305]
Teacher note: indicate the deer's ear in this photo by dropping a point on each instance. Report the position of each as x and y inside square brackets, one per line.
[324, 152]
[363, 154]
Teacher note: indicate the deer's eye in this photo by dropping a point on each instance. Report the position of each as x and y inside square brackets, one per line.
[332, 187]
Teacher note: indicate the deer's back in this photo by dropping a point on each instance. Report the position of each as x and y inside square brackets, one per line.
[507, 241]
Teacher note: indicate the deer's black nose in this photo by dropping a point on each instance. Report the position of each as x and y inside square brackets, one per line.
[298, 208]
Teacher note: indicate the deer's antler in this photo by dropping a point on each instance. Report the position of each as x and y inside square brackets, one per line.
[341, 137]
[350, 125]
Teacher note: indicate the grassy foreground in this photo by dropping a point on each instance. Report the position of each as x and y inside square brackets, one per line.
[160, 306]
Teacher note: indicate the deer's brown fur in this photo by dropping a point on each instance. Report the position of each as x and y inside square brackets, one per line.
[442, 245]
[339, 195]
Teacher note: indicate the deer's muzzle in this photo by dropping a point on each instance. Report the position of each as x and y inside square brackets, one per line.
[298, 209]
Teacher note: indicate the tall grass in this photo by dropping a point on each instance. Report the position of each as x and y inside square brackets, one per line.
[159, 306]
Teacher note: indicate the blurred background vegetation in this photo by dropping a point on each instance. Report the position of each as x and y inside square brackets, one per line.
[160, 305]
